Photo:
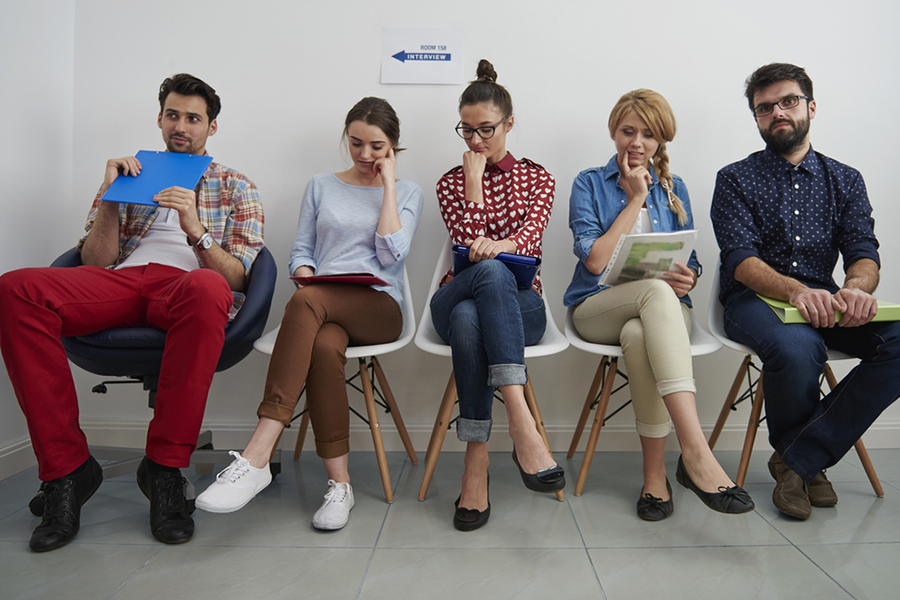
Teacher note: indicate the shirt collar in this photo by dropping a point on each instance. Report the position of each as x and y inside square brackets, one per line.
[506, 165]
[778, 163]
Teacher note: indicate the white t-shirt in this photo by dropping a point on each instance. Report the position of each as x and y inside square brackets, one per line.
[164, 243]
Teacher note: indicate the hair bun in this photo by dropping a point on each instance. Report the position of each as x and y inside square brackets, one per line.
[486, 70]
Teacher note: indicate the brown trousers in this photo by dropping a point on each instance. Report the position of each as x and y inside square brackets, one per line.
[319, 322]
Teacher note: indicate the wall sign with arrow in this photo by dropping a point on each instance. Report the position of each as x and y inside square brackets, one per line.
[421, 55]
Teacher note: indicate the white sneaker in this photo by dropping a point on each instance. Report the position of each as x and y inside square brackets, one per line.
[235, 486]
[335, 511]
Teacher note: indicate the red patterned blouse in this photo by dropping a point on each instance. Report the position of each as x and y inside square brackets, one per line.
[518, 197]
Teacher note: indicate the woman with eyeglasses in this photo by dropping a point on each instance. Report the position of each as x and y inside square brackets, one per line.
[358, 220]
[651, 319]
[493, 203]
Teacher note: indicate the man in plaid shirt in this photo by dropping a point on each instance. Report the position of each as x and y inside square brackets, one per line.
[179, 267]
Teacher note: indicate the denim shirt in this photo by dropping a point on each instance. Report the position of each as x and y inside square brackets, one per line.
[596, 201]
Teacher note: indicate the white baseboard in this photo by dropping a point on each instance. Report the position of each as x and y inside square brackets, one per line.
[19, 456]
[16, 457]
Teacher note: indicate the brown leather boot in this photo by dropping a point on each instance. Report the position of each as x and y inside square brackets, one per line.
[821, 493]
[791, 494]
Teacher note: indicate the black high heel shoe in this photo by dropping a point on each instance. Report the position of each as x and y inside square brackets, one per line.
[469, 519]
[545, 480]
[731, 500]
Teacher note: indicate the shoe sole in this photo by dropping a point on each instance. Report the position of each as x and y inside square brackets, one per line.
[223, 511]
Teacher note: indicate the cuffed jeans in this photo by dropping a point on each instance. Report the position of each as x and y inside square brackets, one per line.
[488, 322]
[812, 434]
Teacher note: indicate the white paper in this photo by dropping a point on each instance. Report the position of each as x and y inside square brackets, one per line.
[648, 255]
[422, 55]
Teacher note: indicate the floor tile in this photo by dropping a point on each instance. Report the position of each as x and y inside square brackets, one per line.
[867, 571]
[281, 514]
[519, 518]
[79, 570]
[712, 573]
[859, 517]
[236, 573]
[497, 574]
[607, 518]
[591, 546]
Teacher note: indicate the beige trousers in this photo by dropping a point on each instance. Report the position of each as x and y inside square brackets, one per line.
[652, 325]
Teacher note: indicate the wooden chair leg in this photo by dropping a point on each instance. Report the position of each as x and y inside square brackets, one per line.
[729, 401]
[375, 426]
[301, 432]
[586, 411]
[438, 434]
[860, 447]
[599, 415]
[531, 400]
[395, 412]
[750, 437]
[449, 393]
[870, 469]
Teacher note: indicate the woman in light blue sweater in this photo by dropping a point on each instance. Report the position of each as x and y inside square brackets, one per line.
[358, 220]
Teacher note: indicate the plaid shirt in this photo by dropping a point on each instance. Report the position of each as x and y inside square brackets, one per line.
[228, 206]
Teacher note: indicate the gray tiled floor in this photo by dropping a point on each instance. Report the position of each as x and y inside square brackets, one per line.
[592, 546]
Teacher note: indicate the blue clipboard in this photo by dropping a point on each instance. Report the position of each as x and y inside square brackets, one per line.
[159, 170]
[524, 268]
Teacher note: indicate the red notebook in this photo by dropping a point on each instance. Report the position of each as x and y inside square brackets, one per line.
[355, 278]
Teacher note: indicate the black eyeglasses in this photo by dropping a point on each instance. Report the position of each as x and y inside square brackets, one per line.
[786, 103]
[486, 132]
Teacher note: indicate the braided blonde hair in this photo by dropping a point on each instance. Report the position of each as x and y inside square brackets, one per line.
[657, 114]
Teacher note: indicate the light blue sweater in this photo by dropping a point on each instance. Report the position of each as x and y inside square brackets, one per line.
[337, 230]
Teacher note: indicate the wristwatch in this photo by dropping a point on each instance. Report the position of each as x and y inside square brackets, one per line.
[205, 242]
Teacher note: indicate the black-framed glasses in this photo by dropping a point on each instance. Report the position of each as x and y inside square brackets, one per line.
[485, 132]
[786, 103]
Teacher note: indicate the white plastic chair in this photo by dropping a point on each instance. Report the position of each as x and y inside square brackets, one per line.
[427, 339]
[368, 359]
[717, 328]
[701, 343]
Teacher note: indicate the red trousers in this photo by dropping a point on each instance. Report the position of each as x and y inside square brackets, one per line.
[37, 306]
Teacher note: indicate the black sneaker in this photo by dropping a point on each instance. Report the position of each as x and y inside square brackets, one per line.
[170, 521]
[61, 506]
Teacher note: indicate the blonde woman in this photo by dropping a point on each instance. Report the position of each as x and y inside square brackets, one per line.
[651, 319]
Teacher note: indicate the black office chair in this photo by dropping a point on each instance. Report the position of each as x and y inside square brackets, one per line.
[136, 353]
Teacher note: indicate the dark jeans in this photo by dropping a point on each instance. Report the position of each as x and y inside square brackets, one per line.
[812, 434]
[488, 322]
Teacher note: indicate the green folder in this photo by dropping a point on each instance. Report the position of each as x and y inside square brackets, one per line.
[887, 311]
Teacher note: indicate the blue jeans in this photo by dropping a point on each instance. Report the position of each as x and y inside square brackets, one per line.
[488, 322]
[812, 434]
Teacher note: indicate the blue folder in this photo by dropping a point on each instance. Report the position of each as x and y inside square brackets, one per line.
[159, 170]
[524, 268]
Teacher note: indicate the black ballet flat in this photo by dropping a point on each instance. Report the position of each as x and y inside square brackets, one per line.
[469, 519]
[731, 500]
[651, 508]
[545, 480]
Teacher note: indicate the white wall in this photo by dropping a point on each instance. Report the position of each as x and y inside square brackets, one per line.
[36, 71]
[288, 72]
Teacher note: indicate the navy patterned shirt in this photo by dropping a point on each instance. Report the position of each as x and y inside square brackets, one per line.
[795, 218]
